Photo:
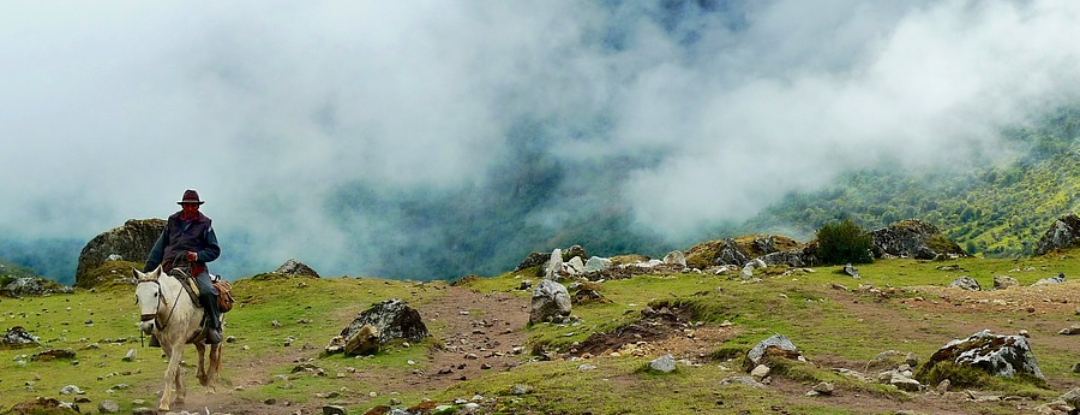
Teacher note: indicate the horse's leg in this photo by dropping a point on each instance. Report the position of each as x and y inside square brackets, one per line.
[215, 368]
[201, 348]
[181, 391]
[172, 373]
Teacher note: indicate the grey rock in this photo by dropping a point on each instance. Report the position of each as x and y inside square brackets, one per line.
[108, 407]
[1072, 398]
[333, 410]
[1062, 234]
[134, 239]
[533, 260]
[743, 380]
[851, 271]
[20, 287]
[776, 341]
[1002, 282]
[760, 372]
[392, 319]
[70, 389]
[115, 257]
[518, 390]
[1060, 278]
[294, 267]
[17, 336]
[597, 264]
[912, 239]
[966, 283]
[554, 268]
[825, 388]
[143, 411]
[663, 364]
[676, 259]
[997, 355]
[550, 302]
[130, 356]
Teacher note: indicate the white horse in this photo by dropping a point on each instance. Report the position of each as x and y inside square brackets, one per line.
[169, 313]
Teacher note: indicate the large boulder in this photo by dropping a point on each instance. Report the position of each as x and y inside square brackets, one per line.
[550, 302]
[132, 242]
[997, 355]
[1063, 233]
[294, 267]
[388, 320]
[913, 239]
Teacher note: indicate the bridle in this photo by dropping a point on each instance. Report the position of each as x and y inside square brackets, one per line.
[161, 300]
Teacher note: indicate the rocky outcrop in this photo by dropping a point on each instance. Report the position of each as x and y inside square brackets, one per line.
[773, 249]
[132, 241]
[31, 286]
[1064, 233]
[913, 239]
[1005, 356]
[388, 320]
[294, 267]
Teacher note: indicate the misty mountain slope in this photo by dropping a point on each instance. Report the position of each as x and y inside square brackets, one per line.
[994, 209]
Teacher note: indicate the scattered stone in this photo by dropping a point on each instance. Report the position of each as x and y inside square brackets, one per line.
[130, 356]
[1060, 278]
[1071, 330]
[824, 388]
[744, 380]
[676, 259]
[779, 343]
[518, 390]
[966, 283]
[1002, 282]
[18, 337]
[760, 372]
[333, 410]
[143, 411]
[108, 407]
[663, 364]
[851, 271]
[70, 390]
[50, 355]
[944, 386]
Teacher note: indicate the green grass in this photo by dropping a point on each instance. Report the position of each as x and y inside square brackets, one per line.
[826, 323]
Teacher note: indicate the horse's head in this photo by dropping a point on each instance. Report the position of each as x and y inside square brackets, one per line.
[147, 296]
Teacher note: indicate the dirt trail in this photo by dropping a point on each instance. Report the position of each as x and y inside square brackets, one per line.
[479, 333]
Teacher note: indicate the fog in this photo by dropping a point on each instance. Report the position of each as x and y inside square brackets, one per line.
[429, 139]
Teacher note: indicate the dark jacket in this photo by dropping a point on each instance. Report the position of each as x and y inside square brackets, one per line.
[181, 236]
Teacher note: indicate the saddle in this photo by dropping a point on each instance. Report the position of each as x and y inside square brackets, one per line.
[187, 281]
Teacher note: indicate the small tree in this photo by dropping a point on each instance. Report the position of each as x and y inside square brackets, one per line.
[843, 242]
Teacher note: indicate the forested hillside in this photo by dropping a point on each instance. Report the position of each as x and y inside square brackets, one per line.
[999, 208]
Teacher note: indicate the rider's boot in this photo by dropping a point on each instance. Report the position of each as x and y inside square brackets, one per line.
[212, 320]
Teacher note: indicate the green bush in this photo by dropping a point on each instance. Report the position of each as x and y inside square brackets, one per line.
[843, 242]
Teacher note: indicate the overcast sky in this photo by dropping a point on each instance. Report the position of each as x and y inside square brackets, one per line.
[110, 109]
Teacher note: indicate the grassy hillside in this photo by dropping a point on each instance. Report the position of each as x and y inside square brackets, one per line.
[596, 365]
[1000, 208]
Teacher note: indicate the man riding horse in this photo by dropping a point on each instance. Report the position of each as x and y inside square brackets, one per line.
[189, 241]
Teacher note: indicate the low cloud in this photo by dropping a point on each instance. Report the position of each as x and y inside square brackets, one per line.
[365, 138]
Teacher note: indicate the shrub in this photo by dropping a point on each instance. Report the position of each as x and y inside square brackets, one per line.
[843, 242]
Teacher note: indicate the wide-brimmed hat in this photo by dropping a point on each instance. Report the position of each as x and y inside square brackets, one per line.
[190, 196]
